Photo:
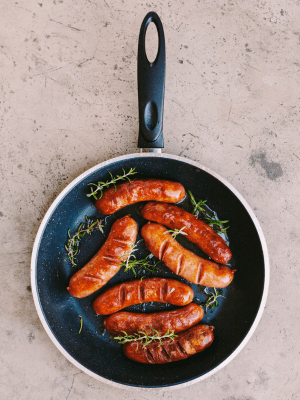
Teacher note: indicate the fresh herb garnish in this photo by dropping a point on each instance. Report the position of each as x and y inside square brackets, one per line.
[99, 187]
[212, 301]
[145, 338]
[176, 232]
[81, 323]
[197, 206]
[216, 222]
[132, 264]
[84, 228]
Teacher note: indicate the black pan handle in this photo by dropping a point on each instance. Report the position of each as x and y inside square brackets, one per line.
[151, 87]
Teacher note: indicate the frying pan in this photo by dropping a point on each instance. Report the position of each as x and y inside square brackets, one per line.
[237, 315]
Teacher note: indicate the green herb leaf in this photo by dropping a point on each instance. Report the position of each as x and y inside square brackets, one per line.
[197, 206]
[216, 223]
[176, 232]
[212, 301]
[81, 323]
[212, 221]
[145, 338]
[72, 246]
[99, 187]
[131, 263]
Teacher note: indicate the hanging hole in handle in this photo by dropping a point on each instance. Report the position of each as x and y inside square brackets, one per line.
[151, 43]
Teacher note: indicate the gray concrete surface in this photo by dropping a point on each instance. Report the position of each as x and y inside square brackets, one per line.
[69, 101]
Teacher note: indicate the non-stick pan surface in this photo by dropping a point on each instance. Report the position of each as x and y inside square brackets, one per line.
[93, 350]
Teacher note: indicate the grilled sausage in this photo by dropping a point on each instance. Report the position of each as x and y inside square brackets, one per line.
[137, 291]
[106, 263]
[139, 190]
[177, 320]
[182, 261]
[197, 231]
[186, 344]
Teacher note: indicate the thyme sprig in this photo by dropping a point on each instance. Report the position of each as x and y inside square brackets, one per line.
[81, 323]
[131, 264]
[84, 228]
[197, 206]
[176, 232]
[216, 222]
[212, 301]
[99, 187]
[144, 338]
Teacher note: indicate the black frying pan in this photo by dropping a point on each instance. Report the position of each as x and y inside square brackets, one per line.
[234, 319]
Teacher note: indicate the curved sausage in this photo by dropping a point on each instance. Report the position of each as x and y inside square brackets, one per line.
[106, 263]
[182, 261]
[139, 190]
[177, 320]
[186, 344]
[197, 231]
[137, 291]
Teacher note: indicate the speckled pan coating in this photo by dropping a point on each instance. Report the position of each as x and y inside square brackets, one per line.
[50, 275]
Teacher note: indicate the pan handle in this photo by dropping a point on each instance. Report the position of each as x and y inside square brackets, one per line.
[151, 88]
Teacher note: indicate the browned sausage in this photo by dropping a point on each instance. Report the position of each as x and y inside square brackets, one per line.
[197, 231]
[186, 344]
[106, 263]
[182, 261]
[177, 320]
[137, 291]
[139, 190]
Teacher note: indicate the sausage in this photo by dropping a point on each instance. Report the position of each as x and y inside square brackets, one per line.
[139, 190]
[106, 263]
[142, 291]
[182, 261]
[177, 320]
[197, 231]
[186, 344]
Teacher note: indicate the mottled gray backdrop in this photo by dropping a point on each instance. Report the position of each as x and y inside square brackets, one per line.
[69, 101]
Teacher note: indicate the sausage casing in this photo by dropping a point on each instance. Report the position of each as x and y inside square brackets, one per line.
[197, 231]
[142, 291]
[139, 190]
[177, 320]
[186, 344]
[182, 261]
[106, 263]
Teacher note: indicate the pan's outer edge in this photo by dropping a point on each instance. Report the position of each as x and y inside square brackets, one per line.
[36, 246]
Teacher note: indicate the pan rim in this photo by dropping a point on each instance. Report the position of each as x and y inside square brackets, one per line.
[36, 296]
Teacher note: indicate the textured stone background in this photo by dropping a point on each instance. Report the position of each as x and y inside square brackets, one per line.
[69, 101]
